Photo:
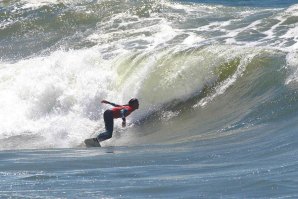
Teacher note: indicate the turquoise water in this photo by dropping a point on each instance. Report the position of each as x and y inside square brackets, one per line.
[216, 80]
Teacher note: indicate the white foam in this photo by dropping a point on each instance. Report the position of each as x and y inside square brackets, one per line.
[58, 93]
[168, 115]
[192, 39]
[34, 4]
[292, 63]
[293, 10]
[160, 30]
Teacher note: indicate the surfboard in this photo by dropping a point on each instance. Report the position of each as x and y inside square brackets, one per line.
[92, 142]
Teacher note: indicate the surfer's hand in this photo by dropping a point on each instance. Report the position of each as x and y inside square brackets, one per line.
[123, 124]
[104, 101]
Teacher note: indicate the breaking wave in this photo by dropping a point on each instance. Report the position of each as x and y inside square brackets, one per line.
[200, 71]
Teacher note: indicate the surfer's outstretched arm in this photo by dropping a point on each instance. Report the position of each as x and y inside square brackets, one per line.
[123, 113]
[107, 102]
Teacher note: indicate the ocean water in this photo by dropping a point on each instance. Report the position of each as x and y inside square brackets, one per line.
[217, 83]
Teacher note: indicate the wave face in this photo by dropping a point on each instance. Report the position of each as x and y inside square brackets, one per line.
[200, 71]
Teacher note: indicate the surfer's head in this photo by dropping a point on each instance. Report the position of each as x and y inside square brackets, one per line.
[134, 103]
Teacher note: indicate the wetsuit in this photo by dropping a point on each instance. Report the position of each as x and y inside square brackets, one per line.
[109, 116]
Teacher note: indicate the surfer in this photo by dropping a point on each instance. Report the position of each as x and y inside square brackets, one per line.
[119, 111]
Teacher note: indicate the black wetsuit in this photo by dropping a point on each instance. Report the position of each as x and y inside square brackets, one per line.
[109, 124]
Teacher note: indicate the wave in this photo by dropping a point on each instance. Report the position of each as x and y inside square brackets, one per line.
[200, 71]
[61, 102]
[32, 28]
[250, 92]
